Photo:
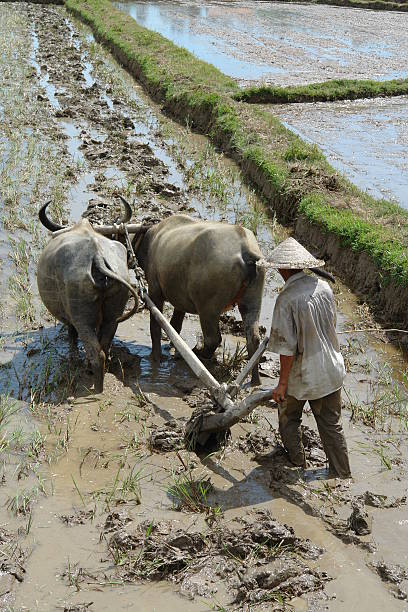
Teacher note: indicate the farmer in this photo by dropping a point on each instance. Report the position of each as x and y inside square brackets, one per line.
[303, 333]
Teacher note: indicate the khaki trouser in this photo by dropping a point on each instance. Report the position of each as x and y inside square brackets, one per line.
[327, 412]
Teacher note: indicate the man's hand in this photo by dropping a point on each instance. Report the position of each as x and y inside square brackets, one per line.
[279, 393]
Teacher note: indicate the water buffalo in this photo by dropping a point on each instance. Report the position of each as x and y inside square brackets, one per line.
[83, 281]
[203, 268]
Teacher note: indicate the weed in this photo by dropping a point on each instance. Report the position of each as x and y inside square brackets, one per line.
[8, 408]
[229, 363]
[78, 491]
[22, 501]
[300, 151]
[190, 493]
[122, 491]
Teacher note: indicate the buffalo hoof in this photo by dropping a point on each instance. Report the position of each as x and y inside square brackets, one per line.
[203, 354]
[98, 384]
[156, 358]
[255, 381]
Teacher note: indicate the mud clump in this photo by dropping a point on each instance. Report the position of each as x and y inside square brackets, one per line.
[168, 437]
[375, 500]
[230, 325]
[115, 521]
[359, 520]
[393, 574]
[203, 444]
[12, 559]
[280, 580]
[79, 517]
[258, 442]
[262, 531]
[269, 365]
[199, 562]
[162, 549]
[267, 446]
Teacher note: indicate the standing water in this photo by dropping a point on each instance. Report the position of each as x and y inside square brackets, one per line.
[284, 44]
[290, 44]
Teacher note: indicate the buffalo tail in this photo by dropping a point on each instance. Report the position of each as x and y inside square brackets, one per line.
[102, 266]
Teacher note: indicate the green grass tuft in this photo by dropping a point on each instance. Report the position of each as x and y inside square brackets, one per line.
[328, 91]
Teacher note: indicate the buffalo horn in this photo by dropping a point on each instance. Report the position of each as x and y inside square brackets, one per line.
[46, 221]
[128, 211]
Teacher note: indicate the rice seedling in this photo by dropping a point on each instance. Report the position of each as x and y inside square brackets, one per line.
[229, 362]
[190, 493]
[125, 490]
[8, 408]
[21, 503]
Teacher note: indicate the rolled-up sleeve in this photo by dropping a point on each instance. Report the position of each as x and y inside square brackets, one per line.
[283, 336]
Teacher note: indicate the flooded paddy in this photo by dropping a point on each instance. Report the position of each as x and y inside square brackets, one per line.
[279, 43]
[289, 44]
[366, 140]
[95, 514]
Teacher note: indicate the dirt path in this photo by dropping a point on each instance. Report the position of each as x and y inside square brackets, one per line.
[100, 501]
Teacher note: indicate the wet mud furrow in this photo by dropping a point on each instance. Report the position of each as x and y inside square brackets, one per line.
[141, 522]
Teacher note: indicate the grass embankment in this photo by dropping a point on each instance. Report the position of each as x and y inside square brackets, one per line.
[294, 177]
[328, 91]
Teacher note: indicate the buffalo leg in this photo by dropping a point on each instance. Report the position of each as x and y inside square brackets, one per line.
[176, 320]
[106, 334]
[95, 355]
[249, 308]
[112, 309]
[73, 338]
[212, 337]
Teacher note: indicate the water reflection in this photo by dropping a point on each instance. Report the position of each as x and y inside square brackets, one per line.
[366, 140]
[281, 43]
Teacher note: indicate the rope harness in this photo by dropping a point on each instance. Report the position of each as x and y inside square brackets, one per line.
[141, 286]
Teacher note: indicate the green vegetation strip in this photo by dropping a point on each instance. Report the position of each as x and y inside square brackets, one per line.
[293, 176]
[340, 89]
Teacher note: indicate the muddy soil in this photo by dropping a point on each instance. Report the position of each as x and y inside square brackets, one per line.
[102, 506]
[283, 44]
[366, 140]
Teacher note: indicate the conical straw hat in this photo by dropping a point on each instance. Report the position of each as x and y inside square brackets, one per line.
[291, 255]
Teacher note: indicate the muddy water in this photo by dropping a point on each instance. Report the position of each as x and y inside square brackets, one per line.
[367, 140]
[91, 443]
[282, 43]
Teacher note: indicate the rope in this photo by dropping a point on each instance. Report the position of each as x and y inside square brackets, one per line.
[133, 265]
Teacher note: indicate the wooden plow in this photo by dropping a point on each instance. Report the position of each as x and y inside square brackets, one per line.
[224, 412]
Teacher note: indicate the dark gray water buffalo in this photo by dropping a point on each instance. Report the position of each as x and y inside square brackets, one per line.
[202, 268]
[83, 281]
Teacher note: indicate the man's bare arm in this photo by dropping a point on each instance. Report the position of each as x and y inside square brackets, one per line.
[286, 362]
